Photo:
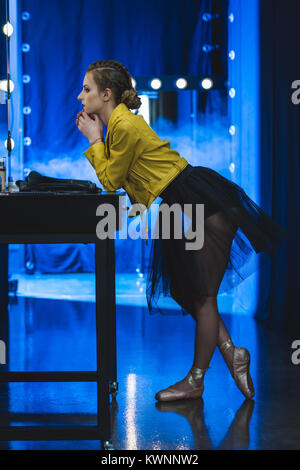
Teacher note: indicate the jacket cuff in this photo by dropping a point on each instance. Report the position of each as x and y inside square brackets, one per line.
[97, 149]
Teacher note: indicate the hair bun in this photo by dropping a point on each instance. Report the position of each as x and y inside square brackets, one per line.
[131, 99]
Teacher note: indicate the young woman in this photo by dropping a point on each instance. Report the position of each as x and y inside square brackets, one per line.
[236, 230]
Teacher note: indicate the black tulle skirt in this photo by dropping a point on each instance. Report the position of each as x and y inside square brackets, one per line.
[239, 237]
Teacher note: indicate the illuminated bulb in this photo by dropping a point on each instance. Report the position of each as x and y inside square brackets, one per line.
[26, 78]
[231, 55]
[25, 15]
[133, 82]
[27, 141]
[181, 83]
[25, 47]
[232, 130]
[12, 142]
[27, 110]
[232, 92]
[231, 17]
[137, 270]
[207, 83]
[4, 85]
[8, 29]
[155, 83]
[231, 167]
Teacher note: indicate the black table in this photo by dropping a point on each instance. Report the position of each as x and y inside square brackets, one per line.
[54, 217]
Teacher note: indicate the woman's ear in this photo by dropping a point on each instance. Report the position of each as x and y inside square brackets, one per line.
[107, 94]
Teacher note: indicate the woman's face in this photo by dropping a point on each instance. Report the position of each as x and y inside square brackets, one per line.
[91, 100]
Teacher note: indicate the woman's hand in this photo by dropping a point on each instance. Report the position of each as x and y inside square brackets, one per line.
[90, 127]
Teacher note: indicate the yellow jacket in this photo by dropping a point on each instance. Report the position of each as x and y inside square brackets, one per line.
[134, 158]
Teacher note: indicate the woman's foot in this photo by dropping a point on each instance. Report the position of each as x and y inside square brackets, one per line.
[238, 362]
[190, 387]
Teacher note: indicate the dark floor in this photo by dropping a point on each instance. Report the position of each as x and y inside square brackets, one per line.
[153, 352]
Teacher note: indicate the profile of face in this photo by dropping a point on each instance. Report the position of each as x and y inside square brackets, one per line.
[92, 101]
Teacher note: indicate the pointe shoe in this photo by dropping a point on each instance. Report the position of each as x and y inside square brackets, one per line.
[240, 368]
[195, 380]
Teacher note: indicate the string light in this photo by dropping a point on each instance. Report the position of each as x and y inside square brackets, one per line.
[8, 29]
[12, 142]
[231, 55]
[27, 141]
[25, 47]
[232, 130]
[207, 83]
[155, 83]
[4, 87]
[181, 83]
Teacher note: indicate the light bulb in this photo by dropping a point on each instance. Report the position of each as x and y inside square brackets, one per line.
[8, 29]
[12, 142]
[207, 83]
[4, 85]
[181, 83]
[155, 83]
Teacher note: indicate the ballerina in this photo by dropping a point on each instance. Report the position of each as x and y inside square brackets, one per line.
[236, 229]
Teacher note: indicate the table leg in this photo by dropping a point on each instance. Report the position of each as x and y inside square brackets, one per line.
[3, 279]
[105, 325]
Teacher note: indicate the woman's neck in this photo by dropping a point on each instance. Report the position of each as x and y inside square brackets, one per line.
[106, 113]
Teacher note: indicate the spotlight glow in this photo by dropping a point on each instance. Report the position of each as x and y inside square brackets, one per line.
[27, 141]
[26, 78]
[25, 47]
[231, 92]
[207, 83]
[231, 167]
[231, 17]
[12, 143]
[133, 82]
[231, 55]
[4, 85]
[155, 83]
[25, 16]
[232, 130]
[8, 29]
[181, 83]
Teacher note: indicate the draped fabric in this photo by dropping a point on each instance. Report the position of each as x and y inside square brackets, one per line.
[65, 36]
[279, 303]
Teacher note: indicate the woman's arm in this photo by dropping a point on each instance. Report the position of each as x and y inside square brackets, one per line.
[112, 170]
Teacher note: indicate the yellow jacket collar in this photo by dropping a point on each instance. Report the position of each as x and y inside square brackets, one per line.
[118, 111]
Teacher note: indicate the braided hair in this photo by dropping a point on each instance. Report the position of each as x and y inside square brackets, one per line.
[112, 74]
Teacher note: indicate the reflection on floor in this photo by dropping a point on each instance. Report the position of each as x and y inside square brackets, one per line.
[130, 289]
[153, 352]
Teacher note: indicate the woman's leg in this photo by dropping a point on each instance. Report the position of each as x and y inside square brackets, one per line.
[210, 330]
[222, 338]
[211, 262]
[206, 331]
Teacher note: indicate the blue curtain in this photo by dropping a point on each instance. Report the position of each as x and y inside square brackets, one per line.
[65, 36]
[280, 162]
